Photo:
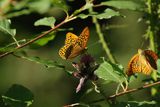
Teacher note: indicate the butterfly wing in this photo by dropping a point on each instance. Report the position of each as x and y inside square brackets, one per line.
[144, 65]
[83, 38]
[133, 65]
[77, 50]
[151, 58]
[74, 45]
[65, 51]
[138, 64]
[70, 38]
[80, 43]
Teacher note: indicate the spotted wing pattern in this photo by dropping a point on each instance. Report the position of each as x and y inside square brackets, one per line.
[65, 51]
[74, 45]
[70, 38]
[141, 62]
[83, 38]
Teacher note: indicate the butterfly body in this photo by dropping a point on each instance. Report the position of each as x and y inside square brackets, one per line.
[143, 62]
[74, 45]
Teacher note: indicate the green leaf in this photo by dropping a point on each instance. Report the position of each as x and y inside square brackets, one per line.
[40, 6]
[18, 13]
[18, 96]
[124, 4]
[135, 104]
[5, 27]
[47, 63]
[47, 21]
[87, 5]
[107, 14]
[110, 72]
[43, 41]
[154, 91]
[83, 16]
[11, 47]
[60, 4]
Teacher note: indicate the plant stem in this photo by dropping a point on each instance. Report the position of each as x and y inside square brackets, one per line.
[15, 41]
[127, 92]
[101, 38]
[151, 27]
[99, 90]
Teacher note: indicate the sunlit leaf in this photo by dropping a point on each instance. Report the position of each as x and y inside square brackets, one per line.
[43, 41]
[107, 14]
[47, 21]
[18, 96]
[123, 4]
[5, 27]
[110, 72]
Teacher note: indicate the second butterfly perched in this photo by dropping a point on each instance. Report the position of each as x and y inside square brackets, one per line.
[142, 62]
[74, 45]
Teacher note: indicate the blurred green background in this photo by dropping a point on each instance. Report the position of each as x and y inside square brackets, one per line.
[53, 87]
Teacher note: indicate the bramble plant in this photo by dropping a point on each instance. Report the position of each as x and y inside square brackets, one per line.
[98, 66]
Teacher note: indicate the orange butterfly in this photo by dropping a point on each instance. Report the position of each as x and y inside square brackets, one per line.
[74, 45]
[143, 62]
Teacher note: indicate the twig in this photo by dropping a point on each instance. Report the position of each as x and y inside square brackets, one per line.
[99, 90]
[126, 92]
[38, 37]
[77, 104]
[117, 95]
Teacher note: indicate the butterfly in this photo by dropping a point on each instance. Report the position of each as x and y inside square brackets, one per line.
[74, 45]
[142, 62]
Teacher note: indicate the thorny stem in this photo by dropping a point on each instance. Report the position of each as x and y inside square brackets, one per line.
[101, 37]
